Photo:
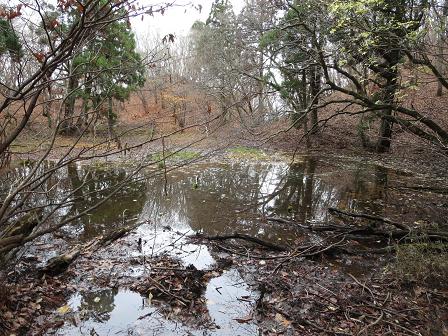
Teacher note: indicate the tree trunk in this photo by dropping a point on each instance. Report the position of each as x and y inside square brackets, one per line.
[385, 132]
[110, 123]
[315, 88]
[47, 106]
[261, 105]
[67, 126]
[441, 41]
[83, 117]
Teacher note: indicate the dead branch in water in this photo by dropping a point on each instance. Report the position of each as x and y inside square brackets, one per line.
[403, 234]
[59, 264]
[242, 236]
[368, 216]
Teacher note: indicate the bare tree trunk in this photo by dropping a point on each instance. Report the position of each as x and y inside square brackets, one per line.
[83, 117]
[261, 105]
[144, 100]
[315, 88]
[47, 106]
[385, 132]
[156, 95]
[67, 125]
[441, 41]
[111, 122]
[162, 100]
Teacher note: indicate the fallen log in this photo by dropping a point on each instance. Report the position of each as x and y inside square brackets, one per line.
[116, 234]
[14, 235]
[59, 264]
[242, 236]
[24, 226]
[370, 232]
[368, 216]
[12, 240]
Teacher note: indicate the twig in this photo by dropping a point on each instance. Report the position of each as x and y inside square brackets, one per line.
[374, 323]
[285, 221]
[185, 302]
[363, 286]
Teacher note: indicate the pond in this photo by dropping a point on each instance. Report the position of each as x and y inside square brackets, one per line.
[216, 198]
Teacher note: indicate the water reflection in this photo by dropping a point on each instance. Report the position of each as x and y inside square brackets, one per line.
[218, 198]
[123, 312]
[211, 197]
[101, 302]
[71, 190]
[125, 204]
[108, 312]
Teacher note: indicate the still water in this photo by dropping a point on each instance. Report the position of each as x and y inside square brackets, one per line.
[216, 198]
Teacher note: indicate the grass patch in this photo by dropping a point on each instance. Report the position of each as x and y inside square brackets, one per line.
[174, 156]
[423, 262]
[242, 152]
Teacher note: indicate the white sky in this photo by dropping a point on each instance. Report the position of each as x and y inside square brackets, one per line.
[176, 20]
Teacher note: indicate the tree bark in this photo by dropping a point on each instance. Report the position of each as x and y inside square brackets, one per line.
[315, 88]
[110, 123]
[441, 42]
[389, 90]
[67, 125]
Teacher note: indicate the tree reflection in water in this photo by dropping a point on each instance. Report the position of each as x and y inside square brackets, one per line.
[216, 198]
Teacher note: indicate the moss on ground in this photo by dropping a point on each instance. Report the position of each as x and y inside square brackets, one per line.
[424, 262]
[242, 152]
[183, 155]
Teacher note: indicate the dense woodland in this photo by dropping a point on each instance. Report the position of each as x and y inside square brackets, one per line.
[78, 84]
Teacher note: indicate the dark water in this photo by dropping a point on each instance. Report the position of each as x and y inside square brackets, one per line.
[217, 198]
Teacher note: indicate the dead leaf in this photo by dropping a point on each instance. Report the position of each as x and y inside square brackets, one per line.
[64, 309]
[281, 319]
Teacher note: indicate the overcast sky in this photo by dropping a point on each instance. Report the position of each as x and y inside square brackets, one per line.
[176, 20]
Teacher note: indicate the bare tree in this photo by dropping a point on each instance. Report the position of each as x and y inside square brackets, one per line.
[30, 207]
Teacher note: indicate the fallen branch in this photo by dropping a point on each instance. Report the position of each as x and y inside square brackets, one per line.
[59, 264]
[358, 233]
[242, 236]
[161, 288]
[246, 255]
[367, 216]
[364, 286]
[116, 234]
[374, 323]
[285, 221]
